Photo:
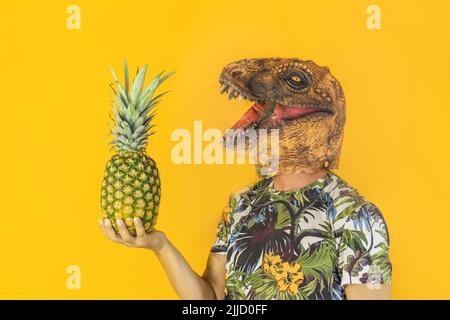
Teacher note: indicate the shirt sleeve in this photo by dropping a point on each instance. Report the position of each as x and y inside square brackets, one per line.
[364, 248]
[220, 244]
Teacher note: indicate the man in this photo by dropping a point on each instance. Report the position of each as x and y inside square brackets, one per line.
[301, 232]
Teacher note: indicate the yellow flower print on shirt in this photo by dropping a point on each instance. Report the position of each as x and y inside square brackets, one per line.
[271, 263]
[226, 215]
[289, 277]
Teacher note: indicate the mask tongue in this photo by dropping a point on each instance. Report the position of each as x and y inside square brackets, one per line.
[283, 112]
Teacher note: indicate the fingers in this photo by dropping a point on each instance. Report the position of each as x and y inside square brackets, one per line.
[109, 231]
[123, 231]
[140, 231]
[102, 226]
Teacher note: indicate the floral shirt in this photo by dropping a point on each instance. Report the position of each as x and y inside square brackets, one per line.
[302, 244]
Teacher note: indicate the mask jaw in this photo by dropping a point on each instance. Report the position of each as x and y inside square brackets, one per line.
[251, 118]
[306, 148]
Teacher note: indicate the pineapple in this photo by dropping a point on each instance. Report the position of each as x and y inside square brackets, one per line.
[131, 185]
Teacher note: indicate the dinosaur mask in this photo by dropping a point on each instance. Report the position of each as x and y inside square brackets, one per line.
[301, 99]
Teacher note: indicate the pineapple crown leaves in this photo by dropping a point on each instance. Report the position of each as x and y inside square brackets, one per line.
[134, 109]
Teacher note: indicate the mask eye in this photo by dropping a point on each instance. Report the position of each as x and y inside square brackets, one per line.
[297, 80]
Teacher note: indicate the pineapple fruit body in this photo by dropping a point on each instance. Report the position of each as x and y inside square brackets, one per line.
[131, 188]
[131, 185]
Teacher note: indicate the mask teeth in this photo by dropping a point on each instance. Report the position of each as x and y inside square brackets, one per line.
[233, 93]
[224, 88]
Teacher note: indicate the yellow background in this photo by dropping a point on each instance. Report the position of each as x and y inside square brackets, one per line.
[55, 105]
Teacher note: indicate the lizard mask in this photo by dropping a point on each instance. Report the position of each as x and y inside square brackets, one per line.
[301, 99]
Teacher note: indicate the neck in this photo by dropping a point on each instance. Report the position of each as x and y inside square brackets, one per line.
[293, 181]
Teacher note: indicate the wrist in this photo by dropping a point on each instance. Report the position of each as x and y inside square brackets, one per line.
[159, 244]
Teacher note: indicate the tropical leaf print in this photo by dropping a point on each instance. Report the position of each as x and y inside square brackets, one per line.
[260, 237]
[301, 244]
[317, 264]
[235, 284]
[353, 239]
[356, 264]
[381, 258]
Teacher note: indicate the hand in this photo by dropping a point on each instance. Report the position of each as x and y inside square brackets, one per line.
[153, 240]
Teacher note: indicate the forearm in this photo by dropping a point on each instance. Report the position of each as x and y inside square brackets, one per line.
[368, 292]
[186, 283]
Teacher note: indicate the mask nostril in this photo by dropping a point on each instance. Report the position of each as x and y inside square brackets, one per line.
[236, 73]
